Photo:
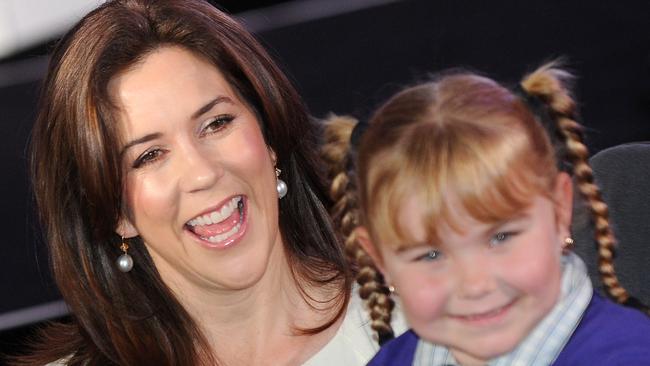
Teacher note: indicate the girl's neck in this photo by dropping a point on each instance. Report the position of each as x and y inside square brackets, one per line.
[467, 359]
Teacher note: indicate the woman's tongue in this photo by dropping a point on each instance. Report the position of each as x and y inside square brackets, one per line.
[207, 231]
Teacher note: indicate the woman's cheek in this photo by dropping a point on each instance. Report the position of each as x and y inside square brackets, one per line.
[150, 195]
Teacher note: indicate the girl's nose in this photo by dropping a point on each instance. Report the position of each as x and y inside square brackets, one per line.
[474, 279]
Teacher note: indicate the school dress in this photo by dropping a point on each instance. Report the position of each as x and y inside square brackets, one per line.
[602, 333]
[609, 334]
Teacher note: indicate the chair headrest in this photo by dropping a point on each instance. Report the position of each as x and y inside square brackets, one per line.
[623, 174]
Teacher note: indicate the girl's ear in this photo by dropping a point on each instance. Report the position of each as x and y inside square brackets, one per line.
[563, 196]
[126, 229]
[363, 238]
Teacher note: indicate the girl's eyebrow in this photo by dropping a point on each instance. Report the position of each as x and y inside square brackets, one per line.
[488, 231]
[403, 247]
[521, 216]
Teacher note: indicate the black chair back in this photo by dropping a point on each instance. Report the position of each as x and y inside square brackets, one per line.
[623, 174]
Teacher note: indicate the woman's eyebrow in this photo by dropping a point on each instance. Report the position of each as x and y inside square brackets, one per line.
[210, 104]
[143, 139]
[204, 109]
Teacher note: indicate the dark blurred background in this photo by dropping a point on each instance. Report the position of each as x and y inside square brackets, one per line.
[344, 56]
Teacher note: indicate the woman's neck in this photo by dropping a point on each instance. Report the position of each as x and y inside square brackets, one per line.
[251, 325]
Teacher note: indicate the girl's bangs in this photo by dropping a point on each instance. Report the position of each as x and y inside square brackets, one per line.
[492, 170]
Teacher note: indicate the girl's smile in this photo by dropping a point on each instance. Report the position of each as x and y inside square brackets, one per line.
[479, 320]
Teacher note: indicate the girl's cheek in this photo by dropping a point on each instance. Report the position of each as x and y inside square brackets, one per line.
[531, 270]
[424, 296]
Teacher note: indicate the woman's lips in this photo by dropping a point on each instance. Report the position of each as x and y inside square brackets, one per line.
[222, 226]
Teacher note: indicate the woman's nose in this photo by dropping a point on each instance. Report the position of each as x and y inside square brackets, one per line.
[200, 168]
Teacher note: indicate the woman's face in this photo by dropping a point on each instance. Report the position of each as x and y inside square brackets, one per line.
[200, 186]
[480, 291]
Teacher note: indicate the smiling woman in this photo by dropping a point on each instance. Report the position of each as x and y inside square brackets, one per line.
[199, 176]
[167, 138]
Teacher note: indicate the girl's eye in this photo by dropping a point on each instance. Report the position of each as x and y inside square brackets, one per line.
[216, 124]
[429, 256]
[501, 237]
[147, 157]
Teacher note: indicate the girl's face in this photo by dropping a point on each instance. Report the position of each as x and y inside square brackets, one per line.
[480, 292]
[200, 180]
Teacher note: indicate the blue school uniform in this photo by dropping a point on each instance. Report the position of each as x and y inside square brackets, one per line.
[601, 333]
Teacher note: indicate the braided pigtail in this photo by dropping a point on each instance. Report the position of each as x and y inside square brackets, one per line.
[548, 85]
[346, 215]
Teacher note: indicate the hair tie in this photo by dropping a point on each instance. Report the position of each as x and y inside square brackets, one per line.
[545, 116]
[357, 132]
[539, 108]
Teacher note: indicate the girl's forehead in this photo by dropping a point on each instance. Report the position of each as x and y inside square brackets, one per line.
[414, 213]
[417, 225]
[417, 221]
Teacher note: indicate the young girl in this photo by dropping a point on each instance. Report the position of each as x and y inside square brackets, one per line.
[464, 206]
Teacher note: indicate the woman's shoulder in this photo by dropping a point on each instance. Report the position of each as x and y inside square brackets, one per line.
[60, 362]
[608, 334]
[355, 342]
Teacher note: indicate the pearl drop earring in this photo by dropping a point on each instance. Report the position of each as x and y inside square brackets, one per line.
[281, 186]
[125, 261]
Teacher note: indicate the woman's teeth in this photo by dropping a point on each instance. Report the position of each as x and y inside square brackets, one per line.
[224, 236]
[218, 215]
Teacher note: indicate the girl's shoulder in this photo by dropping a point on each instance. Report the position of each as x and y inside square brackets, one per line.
[397, 352]
[608, 334]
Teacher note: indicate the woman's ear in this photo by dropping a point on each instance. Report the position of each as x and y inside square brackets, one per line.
[364, 240]
[563, 196]
[274, 157]
[126, 229]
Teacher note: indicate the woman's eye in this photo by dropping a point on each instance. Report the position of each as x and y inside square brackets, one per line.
[217, 123]
[429, 256]
[146, 158]
[501, 237]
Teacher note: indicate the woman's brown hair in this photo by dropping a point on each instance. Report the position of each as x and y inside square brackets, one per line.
[133, 318]
[466, 134]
